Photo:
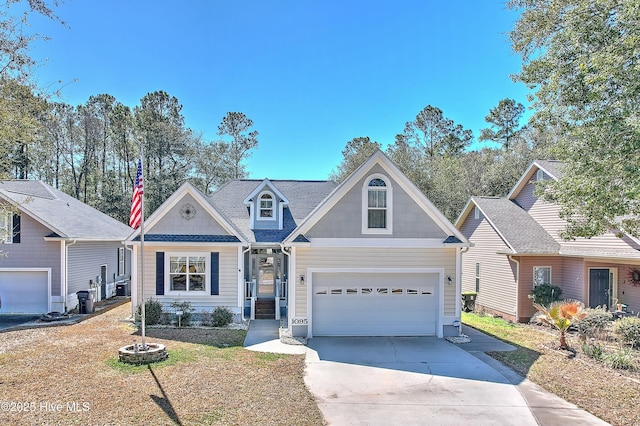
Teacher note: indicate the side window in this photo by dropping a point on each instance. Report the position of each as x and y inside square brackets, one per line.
[476, 213]
[477, 278]
[541, 275]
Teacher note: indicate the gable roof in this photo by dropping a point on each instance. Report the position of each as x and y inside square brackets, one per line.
[205, 203]
[378, 158]
[552, 168]
[520, 232]
[266, 183]
[64, 215]
[302, 196]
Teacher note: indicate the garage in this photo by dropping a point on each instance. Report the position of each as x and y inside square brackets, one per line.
[24, 291]
[374, 303]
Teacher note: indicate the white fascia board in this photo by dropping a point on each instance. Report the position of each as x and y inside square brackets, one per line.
[526, 177]
[184, 244]
[464, 213]
[265, 183]
[378, 242]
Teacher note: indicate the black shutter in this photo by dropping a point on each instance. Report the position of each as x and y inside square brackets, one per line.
[16, 229]
[160, 273]
[215, 274]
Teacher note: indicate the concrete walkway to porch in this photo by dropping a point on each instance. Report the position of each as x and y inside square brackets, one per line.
[264, 336]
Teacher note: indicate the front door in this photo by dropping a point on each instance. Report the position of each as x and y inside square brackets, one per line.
[599, 287]
[266, 276]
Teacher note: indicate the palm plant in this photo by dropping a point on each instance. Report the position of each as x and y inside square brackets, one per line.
[561, 315]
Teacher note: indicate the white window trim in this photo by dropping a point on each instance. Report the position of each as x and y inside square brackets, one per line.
[365, 206]
[167, 274]
[534, 275]
[6, 228]
[273, 207]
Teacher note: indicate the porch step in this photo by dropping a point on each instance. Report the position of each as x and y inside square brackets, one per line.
[265, 309]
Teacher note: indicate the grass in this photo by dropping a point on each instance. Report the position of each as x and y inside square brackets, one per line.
[608, 393]
[208, 378]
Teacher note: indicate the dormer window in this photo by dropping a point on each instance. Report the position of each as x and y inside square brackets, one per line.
[376, 209]
[266, 206]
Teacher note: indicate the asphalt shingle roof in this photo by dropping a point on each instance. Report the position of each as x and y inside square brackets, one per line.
[184, 238]
[521, 231]
[303, 197]
[552, 166]
[63, 214]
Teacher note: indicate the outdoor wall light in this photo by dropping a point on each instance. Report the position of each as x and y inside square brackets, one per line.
[301, 279]
[449, 279]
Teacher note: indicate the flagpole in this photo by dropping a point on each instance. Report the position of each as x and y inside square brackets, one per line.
[144, 345]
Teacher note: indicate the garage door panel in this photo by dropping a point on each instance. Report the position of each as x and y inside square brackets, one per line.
[380, 304]
[24, 292]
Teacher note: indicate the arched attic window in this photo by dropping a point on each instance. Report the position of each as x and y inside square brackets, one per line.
[376, 205]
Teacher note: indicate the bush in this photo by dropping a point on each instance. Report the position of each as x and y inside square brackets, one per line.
[221, 316]
[185, 307]
[593, 350]
[152, 312]
[205, 318]
[595, 324]
[628, 331]
[621, 359]
[546, 294]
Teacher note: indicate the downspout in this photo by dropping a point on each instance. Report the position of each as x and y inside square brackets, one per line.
[66, 274]
[244, 286]
[517, 262]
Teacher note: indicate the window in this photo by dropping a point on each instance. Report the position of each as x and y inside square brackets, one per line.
[266, 206]
[187, 273]
[121, 264]
[477, 277]
[539, 175]
[476, 213]
[541, 275]
[376, 205]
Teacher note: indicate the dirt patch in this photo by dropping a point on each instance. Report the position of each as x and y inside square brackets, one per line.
[70, 375]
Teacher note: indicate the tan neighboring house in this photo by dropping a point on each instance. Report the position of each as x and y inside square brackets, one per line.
[516, 245]
[369, 257]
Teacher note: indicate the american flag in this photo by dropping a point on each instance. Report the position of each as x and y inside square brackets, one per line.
[136, 203]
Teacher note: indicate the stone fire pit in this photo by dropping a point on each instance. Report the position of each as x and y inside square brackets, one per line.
[136, 354]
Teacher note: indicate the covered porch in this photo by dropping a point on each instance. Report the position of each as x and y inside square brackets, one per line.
[266, 271]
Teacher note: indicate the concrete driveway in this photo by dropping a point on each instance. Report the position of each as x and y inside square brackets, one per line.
[408, 380]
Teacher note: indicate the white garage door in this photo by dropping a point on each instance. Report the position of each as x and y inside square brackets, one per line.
[24, 292]
[374, 304]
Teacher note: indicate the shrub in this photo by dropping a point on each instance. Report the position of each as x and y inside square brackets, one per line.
[221, 316]
[186, 309]
[152, 312]
[205, 318]
[595, 322]
[545, 294]
[593, 350]
[622, 359]
[628, 331]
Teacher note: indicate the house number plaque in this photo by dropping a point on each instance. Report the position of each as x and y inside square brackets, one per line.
[299, 321]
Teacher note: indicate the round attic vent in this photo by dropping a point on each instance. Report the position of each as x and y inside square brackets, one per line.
[188, 211]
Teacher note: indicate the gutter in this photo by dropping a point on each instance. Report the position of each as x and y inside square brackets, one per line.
[517, 262]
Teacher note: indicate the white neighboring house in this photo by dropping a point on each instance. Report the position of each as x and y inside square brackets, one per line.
[369, 257]
[55, 246]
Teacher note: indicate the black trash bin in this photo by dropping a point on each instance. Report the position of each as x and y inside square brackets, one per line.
[85, 302]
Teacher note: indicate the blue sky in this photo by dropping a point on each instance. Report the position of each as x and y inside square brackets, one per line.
[311, 74]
